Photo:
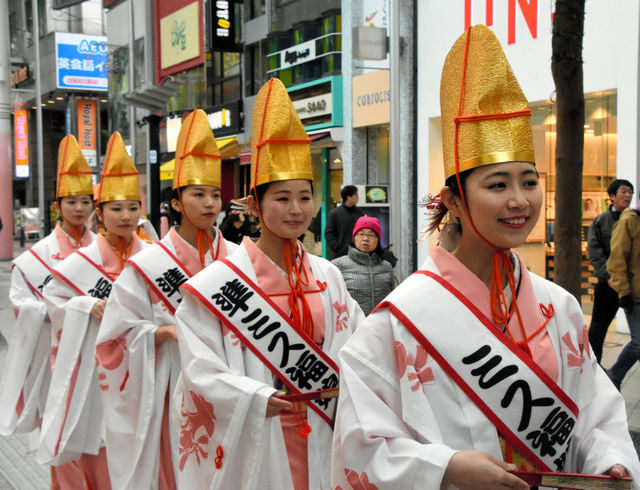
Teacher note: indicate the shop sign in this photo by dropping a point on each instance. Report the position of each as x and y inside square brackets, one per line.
[371, 99]
[87, 129]
[319, 105]
[180, 36]
[224, 119]
[528, 8]
[300, 53]
[81, 61]
[21, 125]
[19, 74]
[223, 34]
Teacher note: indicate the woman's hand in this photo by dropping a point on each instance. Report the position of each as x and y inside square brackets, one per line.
[98, 309]
[477, 470]
[618, 471]
[275, 405]
[166, 332]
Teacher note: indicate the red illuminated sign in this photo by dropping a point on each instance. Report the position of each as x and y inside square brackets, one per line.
[529, 9]
[21, 124]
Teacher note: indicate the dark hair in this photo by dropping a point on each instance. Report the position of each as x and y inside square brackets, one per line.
[176, 216]
[452, 183]
[348, 191]
[259, 191]
[616, 184]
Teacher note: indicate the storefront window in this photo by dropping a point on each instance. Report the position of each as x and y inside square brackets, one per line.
[253, 9]
[224, 78]
[599, 163]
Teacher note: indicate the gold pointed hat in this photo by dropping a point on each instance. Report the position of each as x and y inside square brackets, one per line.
[74, 173]
[481, 99]
[119, 180]
[280, 147]
[197, 154]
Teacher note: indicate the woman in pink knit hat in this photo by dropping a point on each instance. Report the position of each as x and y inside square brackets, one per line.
[368, 276]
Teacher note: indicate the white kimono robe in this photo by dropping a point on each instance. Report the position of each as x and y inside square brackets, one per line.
[26, 375]
[226, 441]
[72, 423]
[401, 418]
[138, 377]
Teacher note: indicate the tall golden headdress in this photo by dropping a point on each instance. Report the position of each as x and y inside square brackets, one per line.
[119, 180]
[74, 173]
[280, 147]
[480, 94]
[197, 154]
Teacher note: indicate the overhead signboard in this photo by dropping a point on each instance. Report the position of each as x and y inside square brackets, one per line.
[223, 32]
[179, 36]
[81, 61]
[371, 99]
[21, 124]
[87, 130]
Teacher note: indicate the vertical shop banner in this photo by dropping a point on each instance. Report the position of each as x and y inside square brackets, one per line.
[81, 61]
[223, 26]
[21, 124]
[88, 130]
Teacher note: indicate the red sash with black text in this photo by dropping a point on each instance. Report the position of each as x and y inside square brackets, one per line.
[93, 281]
[163, 272]
[264, 328]
[35, 271]
[528, 407]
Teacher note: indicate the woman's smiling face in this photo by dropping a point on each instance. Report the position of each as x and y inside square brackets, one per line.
[504, 202]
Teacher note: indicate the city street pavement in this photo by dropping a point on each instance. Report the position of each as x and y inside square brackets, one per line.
[20, 471]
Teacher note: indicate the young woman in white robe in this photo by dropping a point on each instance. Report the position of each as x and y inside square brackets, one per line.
[72, 426]
[137, 350]
[237, 428]
[411, 412]
[27, 372]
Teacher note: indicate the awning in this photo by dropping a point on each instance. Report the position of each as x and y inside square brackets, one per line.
[320, 140]
[155, 97]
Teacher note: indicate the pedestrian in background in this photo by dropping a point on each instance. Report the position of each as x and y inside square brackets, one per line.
[624, 268]
[341, 221]
[369, 278]
[605, 299]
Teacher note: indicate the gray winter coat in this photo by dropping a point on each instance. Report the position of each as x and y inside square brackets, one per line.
[369, 277]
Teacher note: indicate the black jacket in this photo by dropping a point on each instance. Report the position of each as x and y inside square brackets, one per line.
[599, 242]
[340, 223]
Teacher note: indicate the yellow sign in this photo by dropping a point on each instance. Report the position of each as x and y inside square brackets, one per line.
[180, 36]
[371, 99]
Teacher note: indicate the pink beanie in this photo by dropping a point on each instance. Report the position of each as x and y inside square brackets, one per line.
[367, 222]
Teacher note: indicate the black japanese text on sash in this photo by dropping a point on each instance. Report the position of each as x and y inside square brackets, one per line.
[270, 334]
[94, 281]
[36, 272]
[163, 272]
[513, 392]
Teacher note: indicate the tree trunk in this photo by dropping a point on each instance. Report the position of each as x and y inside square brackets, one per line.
[566, 66]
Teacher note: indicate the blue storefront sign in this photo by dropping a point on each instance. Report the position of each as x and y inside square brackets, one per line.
[81, 61]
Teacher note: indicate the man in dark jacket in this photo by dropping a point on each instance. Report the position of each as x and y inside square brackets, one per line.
[341, 220]
[605, 299]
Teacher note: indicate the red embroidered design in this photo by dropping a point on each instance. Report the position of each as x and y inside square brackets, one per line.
[419, 372]
[359, 482]
[235, 340]
[110, 355]
[190, 441]
[341, 309]
[56, 256]
[574, 357]
[54, 350]
[219, 456]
